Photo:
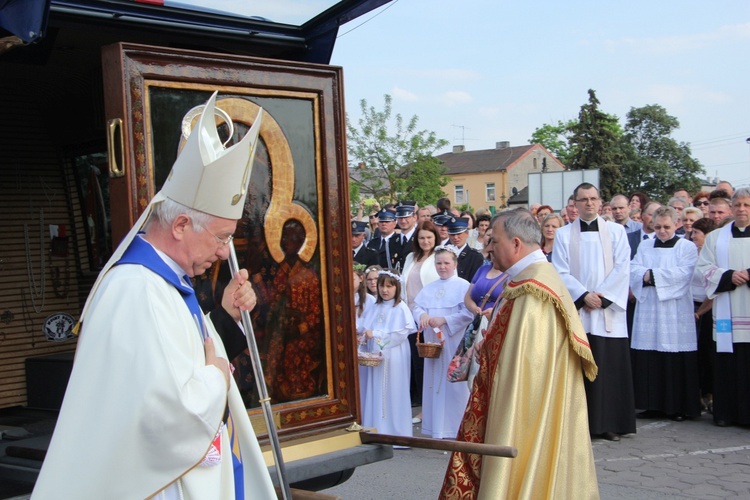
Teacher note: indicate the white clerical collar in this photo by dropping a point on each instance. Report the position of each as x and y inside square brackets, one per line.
[532, 258]
[174, 266]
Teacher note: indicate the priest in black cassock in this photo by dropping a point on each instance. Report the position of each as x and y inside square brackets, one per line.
[724, 262]
[593, 258]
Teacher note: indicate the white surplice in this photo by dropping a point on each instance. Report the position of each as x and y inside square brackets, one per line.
[384, 389]
[593, 278]
[443, 402]
[664, 318]
[739, 298]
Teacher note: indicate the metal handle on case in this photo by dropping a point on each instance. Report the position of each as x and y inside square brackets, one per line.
[115, 156]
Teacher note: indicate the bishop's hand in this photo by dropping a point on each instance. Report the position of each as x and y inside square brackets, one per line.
[239, 295]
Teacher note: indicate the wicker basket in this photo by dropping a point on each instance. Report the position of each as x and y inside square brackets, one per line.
[428, 349]
[367, 359]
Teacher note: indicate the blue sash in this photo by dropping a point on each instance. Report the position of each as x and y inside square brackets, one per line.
[141, 253]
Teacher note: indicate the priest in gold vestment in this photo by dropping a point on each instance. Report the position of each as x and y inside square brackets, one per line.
[529, 391]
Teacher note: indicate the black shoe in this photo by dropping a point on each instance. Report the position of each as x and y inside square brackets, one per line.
[677, 417]
[722, 423]
[610, 436]
[648, 414]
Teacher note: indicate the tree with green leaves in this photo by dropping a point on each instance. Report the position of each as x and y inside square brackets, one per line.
[555, 139]
[595, 143]
[654, 162]
[394, 165]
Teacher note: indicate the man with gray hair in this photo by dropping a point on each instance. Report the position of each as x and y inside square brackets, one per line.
[678, 203]
[593, 258]
[724, 262]
[528, 401]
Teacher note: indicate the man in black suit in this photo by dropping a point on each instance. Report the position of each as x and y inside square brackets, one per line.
[361, 253]
[406, 219]
[646, 231]
[387, 243]
[469, 260]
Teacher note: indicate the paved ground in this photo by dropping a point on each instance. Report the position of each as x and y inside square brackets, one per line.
[663, 460]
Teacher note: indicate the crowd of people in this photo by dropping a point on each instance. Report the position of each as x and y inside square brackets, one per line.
[436, 257]
[661, 293]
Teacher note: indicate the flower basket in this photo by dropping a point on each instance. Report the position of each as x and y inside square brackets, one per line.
[428, 349]
[369, 359]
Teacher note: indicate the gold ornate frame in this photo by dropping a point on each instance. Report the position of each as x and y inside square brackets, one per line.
[131, 71]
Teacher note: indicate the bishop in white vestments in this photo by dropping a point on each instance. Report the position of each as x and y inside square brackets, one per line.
[151, 409]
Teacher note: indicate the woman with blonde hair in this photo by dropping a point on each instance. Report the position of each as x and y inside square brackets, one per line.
[550, 224]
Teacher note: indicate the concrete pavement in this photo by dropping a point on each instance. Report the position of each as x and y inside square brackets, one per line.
[662, 460]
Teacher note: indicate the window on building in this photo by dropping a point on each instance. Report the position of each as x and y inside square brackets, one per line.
[460, 194]
[490, 191]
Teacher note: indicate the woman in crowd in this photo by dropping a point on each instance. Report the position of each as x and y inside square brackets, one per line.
[638, 200]
[484, 280]
[371, 280]
[473, 232]
[485, 246]
[543, 212]
[703, 319]
[419, 266]
[384, 393]
[550, 224]
[689, 216]
[419, 271]
[483, 223]
[442, 315]
[701, 201]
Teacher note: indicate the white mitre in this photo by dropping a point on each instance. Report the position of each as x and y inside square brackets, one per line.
[206, 176]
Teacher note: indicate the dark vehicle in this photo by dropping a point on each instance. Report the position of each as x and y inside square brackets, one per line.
[93, 96]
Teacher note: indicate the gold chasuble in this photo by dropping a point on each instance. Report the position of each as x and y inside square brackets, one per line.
[529, 394]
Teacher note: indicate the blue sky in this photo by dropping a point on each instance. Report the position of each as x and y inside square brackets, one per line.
[480, 71]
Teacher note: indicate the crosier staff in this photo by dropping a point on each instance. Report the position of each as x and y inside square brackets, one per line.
[265, 401]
